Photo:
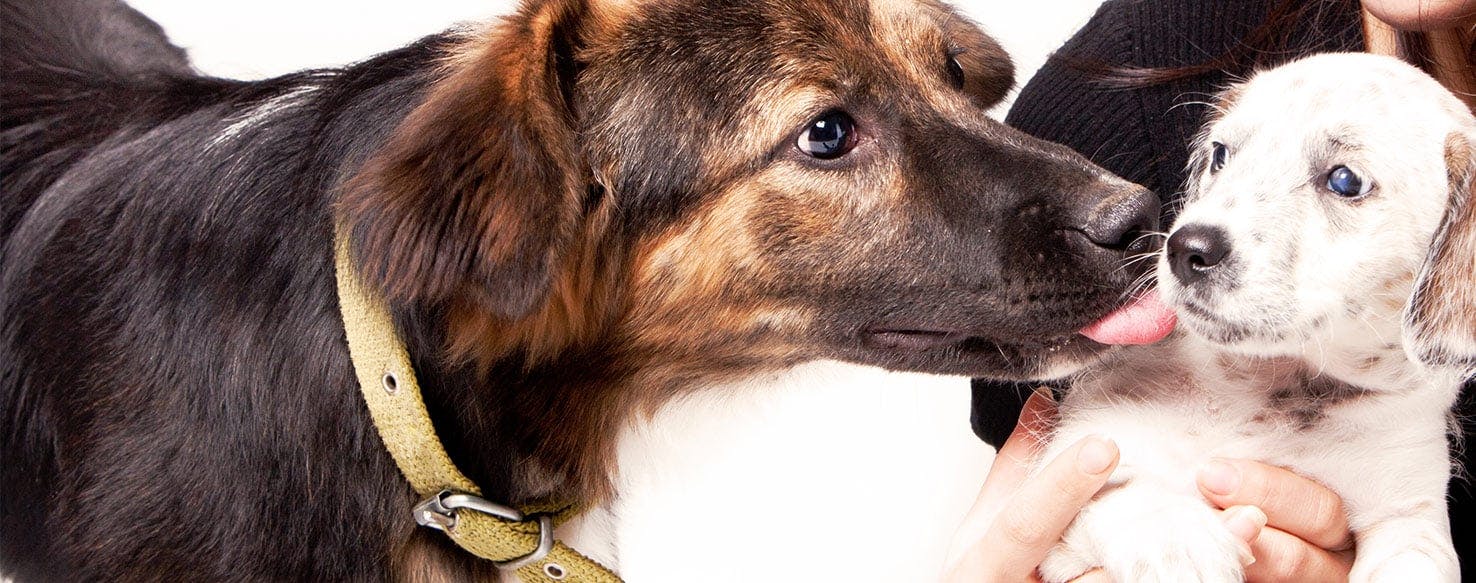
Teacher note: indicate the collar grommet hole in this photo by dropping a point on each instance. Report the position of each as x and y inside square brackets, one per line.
[554, 571]
[391, 383]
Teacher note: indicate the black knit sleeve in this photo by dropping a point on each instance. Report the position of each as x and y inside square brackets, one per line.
[1064, 103]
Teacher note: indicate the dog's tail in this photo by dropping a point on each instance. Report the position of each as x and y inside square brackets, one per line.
[106, 40]
[66, 68]
[57, 53]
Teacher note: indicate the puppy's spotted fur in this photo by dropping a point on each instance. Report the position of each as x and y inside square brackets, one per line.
[1331, 338]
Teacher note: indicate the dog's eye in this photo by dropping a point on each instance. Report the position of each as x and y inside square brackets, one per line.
[830, 136]
[1218, 156]
[955, 72]
[1346, 183]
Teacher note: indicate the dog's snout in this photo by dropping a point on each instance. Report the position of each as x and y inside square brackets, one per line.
[1122, 222]
[1195, 250]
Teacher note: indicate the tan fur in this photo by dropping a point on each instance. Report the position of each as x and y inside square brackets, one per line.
[582, 299]
[918, 49]
[1443, 312]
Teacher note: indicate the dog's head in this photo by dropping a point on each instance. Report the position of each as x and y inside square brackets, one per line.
[731, 183]
[1330, 198]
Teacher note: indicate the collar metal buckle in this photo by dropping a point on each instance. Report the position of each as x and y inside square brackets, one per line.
[439, 512]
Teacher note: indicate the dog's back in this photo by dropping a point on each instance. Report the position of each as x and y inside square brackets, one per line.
[65, 66]
[104, 38]
[139, 197]
[70, 74]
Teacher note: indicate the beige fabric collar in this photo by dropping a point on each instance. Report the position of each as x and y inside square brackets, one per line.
[516, 540]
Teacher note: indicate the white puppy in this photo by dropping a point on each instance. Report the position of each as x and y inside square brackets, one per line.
[1324, 273]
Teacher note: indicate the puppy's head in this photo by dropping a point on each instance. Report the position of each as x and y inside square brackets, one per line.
[1324, 196]
[738, 183]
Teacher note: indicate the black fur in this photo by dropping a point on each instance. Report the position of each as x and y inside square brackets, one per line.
[178, 284]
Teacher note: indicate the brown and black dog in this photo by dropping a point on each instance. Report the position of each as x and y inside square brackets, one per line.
[582, 211]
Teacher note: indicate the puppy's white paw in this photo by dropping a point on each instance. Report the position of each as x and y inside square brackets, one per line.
[1412, 548]
[1400, 568]
[1147, 535]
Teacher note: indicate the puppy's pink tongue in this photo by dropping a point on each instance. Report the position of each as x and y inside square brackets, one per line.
[1144, 321]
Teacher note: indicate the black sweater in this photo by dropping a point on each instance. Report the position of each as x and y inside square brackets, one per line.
[1142, 134]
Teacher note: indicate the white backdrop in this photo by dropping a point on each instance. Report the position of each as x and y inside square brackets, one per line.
[262, 38]
[727, 505]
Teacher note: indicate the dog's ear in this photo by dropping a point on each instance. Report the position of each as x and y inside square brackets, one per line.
[1440, 322]
[478, 191]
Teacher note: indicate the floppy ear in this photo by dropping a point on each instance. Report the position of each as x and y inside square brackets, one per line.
[1440, 322]
[480, 188]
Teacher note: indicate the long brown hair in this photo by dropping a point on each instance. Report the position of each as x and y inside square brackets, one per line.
[1449, 55]
[1275, 40]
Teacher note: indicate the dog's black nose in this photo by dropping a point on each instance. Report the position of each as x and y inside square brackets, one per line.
[1122, 222]
[1195, 249]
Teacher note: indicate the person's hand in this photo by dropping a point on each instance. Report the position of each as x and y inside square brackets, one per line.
[1018, 517]
[1307, 536]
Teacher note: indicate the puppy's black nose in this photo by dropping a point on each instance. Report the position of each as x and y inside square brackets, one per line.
[1194, 250]
[1121, 222]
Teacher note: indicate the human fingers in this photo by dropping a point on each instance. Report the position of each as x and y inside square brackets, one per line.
[1285, 557]
[1292, 503]
[1037, 514]
[1012, 463]
[1017, 456]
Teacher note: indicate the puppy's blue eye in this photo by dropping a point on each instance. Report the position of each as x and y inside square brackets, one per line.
[1346, 183]
[1218, 156]
[830, 136]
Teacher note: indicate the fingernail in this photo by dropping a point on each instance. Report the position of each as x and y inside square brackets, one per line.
[1243, 552]
[1245, 522]
[1219, 478]
[1096, 455]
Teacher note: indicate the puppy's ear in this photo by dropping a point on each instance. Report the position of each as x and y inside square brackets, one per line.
[1440, 322]
[479, 189]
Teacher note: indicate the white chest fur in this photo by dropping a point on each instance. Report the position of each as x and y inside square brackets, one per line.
[824, 472]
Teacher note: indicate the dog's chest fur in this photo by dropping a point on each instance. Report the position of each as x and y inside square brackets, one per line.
[792, 476]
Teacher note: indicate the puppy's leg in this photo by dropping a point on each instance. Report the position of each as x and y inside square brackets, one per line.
[1398, 513]
[1143, 531]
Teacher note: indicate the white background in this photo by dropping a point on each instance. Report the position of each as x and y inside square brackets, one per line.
[883, 437]
[262, 38]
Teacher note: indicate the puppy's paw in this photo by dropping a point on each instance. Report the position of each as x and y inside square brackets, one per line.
[1067, 561]
[1413, 548]
[1147, 536]
[1400, 568]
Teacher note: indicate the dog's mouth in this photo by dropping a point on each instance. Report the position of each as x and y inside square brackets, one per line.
[911, 339]
[925, 339]
[1143, 320]
[947, 351]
